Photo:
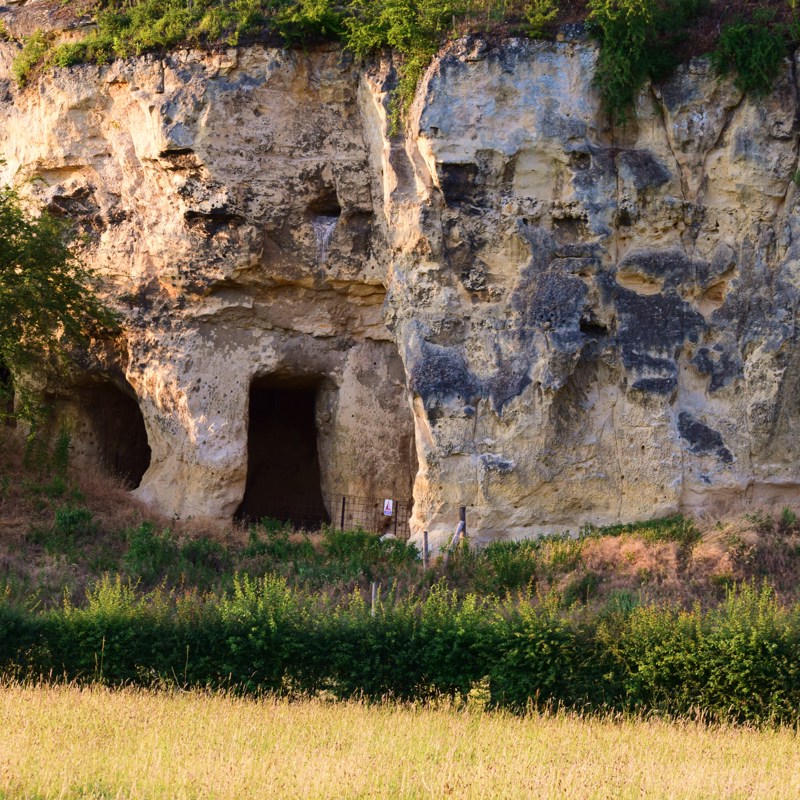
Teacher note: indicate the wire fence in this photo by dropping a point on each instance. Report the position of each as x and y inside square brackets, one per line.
[345, 512]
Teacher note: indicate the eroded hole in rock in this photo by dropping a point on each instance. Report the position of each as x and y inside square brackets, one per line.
[624, 218]
[592, 328]
[324, 213]
[326, 205]
[283, 473]
[110, 431]
[580, 161]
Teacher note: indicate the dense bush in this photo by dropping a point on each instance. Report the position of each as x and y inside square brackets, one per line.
[34, 49]
[638, 42]
[739, 662]
[755, 48]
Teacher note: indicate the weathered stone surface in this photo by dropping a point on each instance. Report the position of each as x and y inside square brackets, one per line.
[228, 203]
[620, 304]
[574, 324]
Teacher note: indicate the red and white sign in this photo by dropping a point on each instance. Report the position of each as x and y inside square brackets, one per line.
[388, 508]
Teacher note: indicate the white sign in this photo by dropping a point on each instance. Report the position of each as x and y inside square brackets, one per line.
[388, 508]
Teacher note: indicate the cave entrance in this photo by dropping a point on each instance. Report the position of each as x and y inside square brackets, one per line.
[283, 473]
[111, 431]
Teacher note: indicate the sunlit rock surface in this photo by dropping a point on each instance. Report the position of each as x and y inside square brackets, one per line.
[511, 307]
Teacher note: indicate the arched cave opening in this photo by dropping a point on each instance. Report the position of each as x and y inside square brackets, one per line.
[283, 472]
[111, 431]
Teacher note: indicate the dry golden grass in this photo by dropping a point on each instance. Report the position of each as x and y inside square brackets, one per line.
[65, 742]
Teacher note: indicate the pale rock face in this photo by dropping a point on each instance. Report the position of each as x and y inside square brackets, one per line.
[567, 323]
[228, 203]
[597, 325]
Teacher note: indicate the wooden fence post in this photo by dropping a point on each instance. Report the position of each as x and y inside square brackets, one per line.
[374, 603]
[461, 531]
[341, 526]
[425, 549]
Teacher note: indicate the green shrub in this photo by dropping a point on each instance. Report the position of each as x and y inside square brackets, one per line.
[74, 522]
[34, 49]
[125, 29]
[545, 660]
[736, 663]
[755, 48]
[306, 19]
[17, 632]
[150, 553]
[624, 29]
[539, 14]
[202, 562]
[359, 552]
[271, 539]
[72, 525]
[514, 565]
[264, 621]
[638, 41]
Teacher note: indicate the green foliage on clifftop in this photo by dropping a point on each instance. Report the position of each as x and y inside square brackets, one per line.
[755, 48]
[640, 40]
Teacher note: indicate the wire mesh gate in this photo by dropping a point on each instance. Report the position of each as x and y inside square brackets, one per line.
[344, 512]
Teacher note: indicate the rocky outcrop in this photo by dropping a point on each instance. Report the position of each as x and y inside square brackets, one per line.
[573, 323]
[228, 205]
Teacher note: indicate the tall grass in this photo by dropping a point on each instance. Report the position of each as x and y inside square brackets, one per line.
[67, 742]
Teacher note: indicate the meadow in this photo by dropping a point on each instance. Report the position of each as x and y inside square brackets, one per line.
[92, 742]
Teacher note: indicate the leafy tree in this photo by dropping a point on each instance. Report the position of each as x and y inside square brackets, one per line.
[47, 305]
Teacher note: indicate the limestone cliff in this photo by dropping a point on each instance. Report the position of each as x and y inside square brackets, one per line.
[573, 323]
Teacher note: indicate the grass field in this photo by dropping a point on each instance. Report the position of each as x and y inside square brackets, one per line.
[65, 742]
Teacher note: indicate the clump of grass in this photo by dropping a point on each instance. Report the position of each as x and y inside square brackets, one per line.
[5, 33]
[538, 15]
[675, 528]
[150, 553]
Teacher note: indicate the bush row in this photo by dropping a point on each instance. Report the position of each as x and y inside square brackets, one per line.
[738, 662]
